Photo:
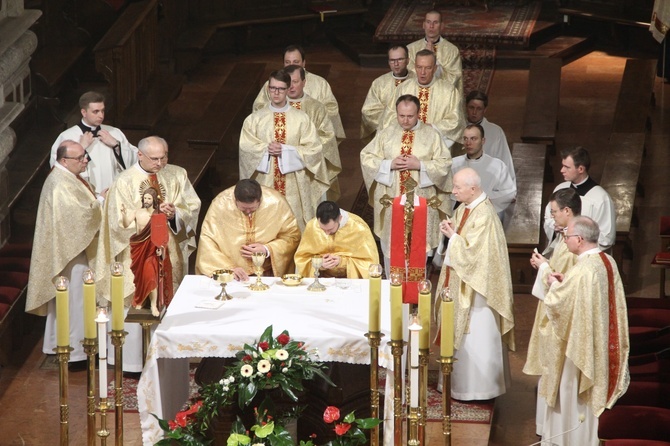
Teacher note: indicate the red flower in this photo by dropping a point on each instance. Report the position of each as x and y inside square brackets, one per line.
[342, 428]
[331, 414]
[263, 345]
[172, 425]
[247, 358]
[283, 339]
[269, 374]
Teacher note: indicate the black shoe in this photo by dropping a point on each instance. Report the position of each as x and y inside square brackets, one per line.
[77, 366]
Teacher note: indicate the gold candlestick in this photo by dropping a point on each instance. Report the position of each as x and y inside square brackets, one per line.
[374, 339]
[91, 349]
[398, 376]
[118, 338]
[317, 261]
[424, 358]
[447, 365]
[258, 259]
[413, 427]
[63, 354]
[103, 433]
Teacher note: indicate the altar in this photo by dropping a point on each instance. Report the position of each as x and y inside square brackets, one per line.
[333, 321]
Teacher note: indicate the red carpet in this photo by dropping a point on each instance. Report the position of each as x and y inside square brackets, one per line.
[504, 24]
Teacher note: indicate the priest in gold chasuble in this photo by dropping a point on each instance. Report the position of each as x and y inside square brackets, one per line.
[342, 238]
[280, 148]
[407, 148]
[476, 270]
[586, 370]
[180, 204]
[243, 219]
[65, 242]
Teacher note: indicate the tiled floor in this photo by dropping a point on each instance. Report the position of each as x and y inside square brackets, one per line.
[29, 395]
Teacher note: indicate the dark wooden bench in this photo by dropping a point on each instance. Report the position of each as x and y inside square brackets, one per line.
[635, 97]
[540, 119]
[620, 179]
[524, 230]
[233, 98]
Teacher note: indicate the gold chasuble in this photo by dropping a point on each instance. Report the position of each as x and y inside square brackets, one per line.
[448, 59]
[302, 188]
[174, 187]
[587, 313]
[68, 220]
[324, 127]
[353, 242]
[441, 106]
[226, 229]
[480, 264]
[431, 150]
[317, 88]
[379, 96]
[561, 261]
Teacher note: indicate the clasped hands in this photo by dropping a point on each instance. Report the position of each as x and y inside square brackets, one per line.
[330, 261]
[405, 162]
[274, 148]
[247, 251]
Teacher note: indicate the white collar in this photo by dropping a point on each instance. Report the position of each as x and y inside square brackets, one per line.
[280, 110]
[60, 166]
[477, 200]
[589, 252]
[345, 218]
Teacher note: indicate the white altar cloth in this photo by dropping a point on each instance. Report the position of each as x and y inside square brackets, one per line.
[333, 321]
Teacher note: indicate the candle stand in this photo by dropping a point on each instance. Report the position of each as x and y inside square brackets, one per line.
[398, 378]
[374, 339]
[413, 430]
[103, 433]
[424, 358]
[63, 354]
[118, 338]
[91, 349]
[447, 365]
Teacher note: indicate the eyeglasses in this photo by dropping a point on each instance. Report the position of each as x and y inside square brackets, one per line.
[395, 61]
[79, 159]
[156, 160]
[555, 211]
[278, 89]
[572, 235]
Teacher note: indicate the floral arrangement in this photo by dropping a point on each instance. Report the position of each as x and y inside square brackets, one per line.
[270, 363]
[349, 431]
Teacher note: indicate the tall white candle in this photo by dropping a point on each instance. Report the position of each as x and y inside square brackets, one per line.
[414, 331]
[102, 320]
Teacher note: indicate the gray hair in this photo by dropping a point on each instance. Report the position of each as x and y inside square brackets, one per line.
[144, 143]
[586, 228]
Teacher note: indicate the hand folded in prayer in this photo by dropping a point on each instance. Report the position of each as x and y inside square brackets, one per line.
[240, 274]
[446, 228]
[274, 148]
[330, 261]
[248, 250]
[406, 162]
[537, 259]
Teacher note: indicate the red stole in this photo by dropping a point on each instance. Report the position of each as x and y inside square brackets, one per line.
[613, 346]
[424, 97]
[409, 261]
[296, 105]
[280, 137]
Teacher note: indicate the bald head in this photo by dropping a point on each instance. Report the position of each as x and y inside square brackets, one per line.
[467, 185]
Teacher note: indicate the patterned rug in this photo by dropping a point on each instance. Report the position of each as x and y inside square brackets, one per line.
[506, 23]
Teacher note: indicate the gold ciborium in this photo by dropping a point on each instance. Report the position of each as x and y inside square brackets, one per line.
[223, 276]
[258, 259]
[317, 261]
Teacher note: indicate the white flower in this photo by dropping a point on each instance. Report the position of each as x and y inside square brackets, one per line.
[254, 354]
[222, 382]
[281, 354]
[231, 379]
[246, 370]
[284, 370]
[225, 388]
[264, 366]
[225, 382]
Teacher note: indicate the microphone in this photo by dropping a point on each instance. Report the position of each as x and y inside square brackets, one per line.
[582, 417]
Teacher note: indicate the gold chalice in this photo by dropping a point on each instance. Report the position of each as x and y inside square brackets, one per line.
[223, 276]
[317, 261]
[258, 259]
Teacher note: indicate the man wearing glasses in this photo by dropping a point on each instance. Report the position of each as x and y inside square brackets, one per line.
[447, 54]
[177, 200]
[585, 354]
[280, 148]
[382, 90]
[67, 201]
[108, 150]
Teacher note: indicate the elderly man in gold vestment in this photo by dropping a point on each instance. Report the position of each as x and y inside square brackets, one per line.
[476, 270]
[180, 204]
[564, 205]
[244, 219]
[584, 363]
[315, 87]
[280, 148]
[441, 105]
[407, 148]
[65, 242]
[298, 99]
[342, 238]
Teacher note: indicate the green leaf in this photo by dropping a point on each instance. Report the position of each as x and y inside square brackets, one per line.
[266, 336]
[162, 423]
[287, 390]
[238, 427]
[247, 393]
[281, 437]
[349, 418]
[324, 376]
[368, 423]
[238, 439]
[263, 431]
